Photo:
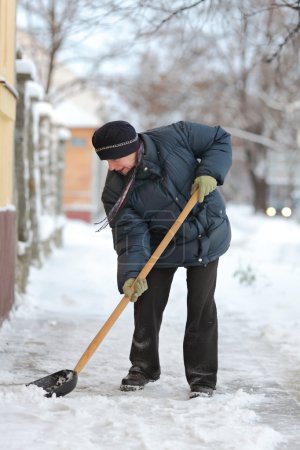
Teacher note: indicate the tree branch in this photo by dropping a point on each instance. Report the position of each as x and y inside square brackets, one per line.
[170, 16]
[287, 39]
[257, 139]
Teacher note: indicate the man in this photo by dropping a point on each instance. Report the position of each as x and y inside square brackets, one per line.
[150, 179]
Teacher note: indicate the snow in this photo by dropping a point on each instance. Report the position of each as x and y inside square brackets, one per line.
[64, 134]
[22, 247]
[46, 109]
[271, 248]
[68, 300]
[48, 224]
[34, 90]
[43, 109]
[26, 66]
[8, 207]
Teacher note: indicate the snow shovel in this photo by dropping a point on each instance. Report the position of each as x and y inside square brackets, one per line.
[62, 382]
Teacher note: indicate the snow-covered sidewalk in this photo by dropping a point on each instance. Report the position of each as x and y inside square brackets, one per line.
[256, 404]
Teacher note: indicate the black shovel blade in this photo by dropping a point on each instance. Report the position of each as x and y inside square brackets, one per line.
[59, 383]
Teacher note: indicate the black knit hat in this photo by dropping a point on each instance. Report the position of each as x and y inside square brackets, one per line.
[115, 140]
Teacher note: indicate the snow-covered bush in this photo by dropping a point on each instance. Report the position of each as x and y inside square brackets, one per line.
[245, 275]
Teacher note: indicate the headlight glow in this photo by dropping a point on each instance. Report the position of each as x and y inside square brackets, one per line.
[286, 211]
[271, 211]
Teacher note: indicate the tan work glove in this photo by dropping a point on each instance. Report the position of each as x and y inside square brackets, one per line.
[206, 184]
[139, 288]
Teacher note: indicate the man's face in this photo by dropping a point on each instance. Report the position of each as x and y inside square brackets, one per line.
[122, 165]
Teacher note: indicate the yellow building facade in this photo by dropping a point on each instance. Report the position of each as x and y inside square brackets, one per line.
[8, 99]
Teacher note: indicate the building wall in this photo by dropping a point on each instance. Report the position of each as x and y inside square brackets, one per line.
[8, 97]
[78, 180]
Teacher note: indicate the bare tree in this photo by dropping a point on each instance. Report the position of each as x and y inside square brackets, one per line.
[206, 60]
[282, 24]
[58, 25]
[60, 28]
[281, 33]
[221, 74]
[68, 32]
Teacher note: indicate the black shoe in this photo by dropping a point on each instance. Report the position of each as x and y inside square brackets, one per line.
[201, 391]
[135, 380]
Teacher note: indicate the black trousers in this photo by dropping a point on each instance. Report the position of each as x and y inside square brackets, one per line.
[200, 345]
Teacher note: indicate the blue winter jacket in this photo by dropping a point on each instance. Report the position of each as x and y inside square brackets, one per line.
[173, 157]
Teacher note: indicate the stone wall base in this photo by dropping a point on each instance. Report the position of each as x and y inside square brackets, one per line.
[7, 261]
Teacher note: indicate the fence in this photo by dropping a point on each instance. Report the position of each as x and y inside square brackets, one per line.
[39, 166]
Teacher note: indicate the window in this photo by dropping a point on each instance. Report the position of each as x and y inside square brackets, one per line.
[78, 142]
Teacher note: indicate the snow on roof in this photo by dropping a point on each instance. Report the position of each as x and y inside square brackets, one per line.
[73, 116]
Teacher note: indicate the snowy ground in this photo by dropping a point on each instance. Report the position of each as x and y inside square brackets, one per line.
[256, 406]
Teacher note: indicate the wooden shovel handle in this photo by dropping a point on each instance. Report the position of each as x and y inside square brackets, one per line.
[143, 274]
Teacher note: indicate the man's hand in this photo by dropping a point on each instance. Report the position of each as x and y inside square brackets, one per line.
[206, 185]
[138, 289]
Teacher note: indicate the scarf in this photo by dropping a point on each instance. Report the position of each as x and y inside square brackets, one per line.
[124, 195]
